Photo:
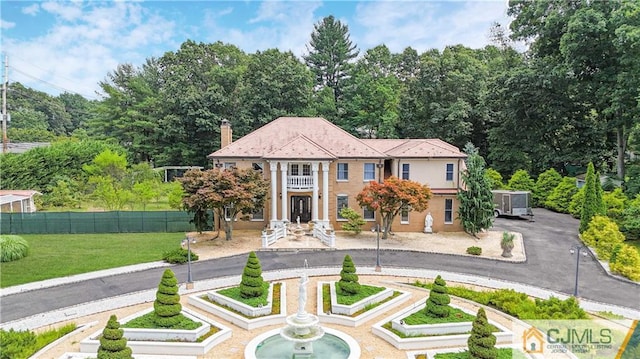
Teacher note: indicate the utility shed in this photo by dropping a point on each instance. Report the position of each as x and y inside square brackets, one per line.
[20, 201]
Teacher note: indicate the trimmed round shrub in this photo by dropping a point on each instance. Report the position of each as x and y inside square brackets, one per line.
[13, 248]
[546, 182]
[348, 283]
[251, 283]
[482, 342]
[438, 302]
[112, 344]
[560, 197]
[178, 256]
[167, 305]
[476, 251]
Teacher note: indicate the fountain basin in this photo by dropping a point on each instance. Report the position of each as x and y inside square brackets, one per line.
[333, 345]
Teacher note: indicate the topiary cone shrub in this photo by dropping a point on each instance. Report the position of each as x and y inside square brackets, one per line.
[251, 285]
[438, 301]
[482, 342]
[167, 305]
[112, 344]
[348, 283]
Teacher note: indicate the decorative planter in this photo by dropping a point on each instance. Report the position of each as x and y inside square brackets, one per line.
[245, 309]
[350, 309]
[239, 320]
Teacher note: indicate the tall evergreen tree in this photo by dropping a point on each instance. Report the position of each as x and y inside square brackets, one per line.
[481, 342]
[476, 201]
[330, 50]
[590, 206]
[112, 344]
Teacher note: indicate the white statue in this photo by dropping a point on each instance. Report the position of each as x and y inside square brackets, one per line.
[428, 221]
[298, 221]
[302, 291]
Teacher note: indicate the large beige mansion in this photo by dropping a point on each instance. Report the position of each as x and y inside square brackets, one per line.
[315, 168]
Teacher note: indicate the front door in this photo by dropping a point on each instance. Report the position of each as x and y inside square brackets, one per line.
[301, 207]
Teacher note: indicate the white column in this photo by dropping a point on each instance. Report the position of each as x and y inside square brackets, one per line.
[325, 192]
[273, 166]
[283, 170]
[314, 197]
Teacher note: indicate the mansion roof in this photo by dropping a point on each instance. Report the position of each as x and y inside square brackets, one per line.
[314, 138]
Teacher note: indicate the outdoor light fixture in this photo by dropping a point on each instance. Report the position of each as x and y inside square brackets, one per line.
[577, 249]
[188, 242]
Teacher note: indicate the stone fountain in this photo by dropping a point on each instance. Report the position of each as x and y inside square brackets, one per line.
[302, 337]
[302, 328]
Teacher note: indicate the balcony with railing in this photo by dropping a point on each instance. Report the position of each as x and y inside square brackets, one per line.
[299, 183]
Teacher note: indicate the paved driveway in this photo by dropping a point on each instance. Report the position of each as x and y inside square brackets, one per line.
[549, 265]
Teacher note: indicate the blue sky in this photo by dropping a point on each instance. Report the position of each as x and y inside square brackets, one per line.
[58, 46]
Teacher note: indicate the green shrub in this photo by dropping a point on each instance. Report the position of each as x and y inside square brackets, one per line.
[13, 248]
[575, 206]
[546, 182]
[354, 220]
[614, 203]
[495, 178]
[167, 305]
[521, 181]
[631, 219]
[438, 302]
[178, 256]
[602, 234]
[482, 342]
[476, 251]
[252, 284]
[23, 344]
[348, 283]
[626, 262]
[560, 197]
[112, 344]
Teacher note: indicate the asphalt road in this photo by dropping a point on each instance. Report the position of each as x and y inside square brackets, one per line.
[549, 265]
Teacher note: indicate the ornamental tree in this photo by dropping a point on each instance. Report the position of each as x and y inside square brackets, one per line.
[476, 200]
[252, 284]
[546, 182]
[438, 301]
[167, 305]
[112, 344]
[391, 196]
[626, 261]
[521, 181]
[348, 283]
[482, 342]
[495, 178]
[228, 192]
[560, 197]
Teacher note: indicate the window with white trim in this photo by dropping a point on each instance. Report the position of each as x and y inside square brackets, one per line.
[449, 171]
[229, 165]
[342, 202]
[258, 214]
[369, 171]
[343, 172]
[257, 166]
[293, 169]
[405, 171]
[227, 213]
[306, 170]
[448, 211]
[368, 214]
[404, 214]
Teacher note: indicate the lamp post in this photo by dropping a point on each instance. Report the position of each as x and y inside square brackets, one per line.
[188, 242]
[577, 249]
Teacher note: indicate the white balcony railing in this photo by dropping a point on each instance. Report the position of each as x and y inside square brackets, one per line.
[299, 182]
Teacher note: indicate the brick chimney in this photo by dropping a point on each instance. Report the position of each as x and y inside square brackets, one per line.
[226, 134]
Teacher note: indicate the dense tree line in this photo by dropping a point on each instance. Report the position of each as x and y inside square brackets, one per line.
[570, 99]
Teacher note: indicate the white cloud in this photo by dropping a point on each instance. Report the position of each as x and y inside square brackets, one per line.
[6, 24]
[86, 43]
[31, 9]
[426, 25]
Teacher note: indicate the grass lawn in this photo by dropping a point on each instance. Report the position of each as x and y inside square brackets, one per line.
[60, 255]
[365, 292]
[503, 353]
[234, 293]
